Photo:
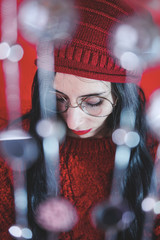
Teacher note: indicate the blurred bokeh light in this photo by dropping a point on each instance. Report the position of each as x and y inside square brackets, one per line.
[56, 214]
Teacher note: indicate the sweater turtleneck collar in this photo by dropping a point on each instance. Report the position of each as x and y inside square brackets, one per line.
[85, 145]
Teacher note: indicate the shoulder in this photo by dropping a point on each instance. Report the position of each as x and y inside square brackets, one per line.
[7, 215]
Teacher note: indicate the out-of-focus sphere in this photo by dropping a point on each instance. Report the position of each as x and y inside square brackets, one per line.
[152, 6]
[111, 216]
[106, 216]
[155, 4]
[15, 231]
[46, 19]
[130, 61]
[153, 113]
[136, 43]
[157, 208]
[132, 139]
[126, 36]
[44, 128]
[148, 204]
[19, 147]
[149, 4]
[26, 233]
[48, 127]
[57, 215]
[4, 50]
[118, 136]
[19, 231]
[16, 53]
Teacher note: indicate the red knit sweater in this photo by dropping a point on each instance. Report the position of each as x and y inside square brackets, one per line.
[86, 167]
[6, 201]
[86, 176]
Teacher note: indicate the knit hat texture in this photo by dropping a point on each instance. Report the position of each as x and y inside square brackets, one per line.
[88, 54]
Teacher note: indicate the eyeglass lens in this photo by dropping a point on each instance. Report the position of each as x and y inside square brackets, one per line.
[92, 105]
[96, 106]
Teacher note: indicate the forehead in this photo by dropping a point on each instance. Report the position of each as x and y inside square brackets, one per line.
[71, 84]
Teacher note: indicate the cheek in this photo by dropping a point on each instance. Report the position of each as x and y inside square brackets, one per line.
[98, 122]
[88, 121]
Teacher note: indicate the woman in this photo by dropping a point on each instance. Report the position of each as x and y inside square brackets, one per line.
[91, 92]
[87, 156]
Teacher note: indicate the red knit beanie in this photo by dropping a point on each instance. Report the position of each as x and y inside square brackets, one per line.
[87, 55]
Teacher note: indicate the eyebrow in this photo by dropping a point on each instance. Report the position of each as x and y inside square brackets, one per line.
[86, 95]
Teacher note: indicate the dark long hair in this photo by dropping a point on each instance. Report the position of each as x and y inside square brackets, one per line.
[137, 178]
[136, 181]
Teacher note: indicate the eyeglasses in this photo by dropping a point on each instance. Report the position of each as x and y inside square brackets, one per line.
[95, 106]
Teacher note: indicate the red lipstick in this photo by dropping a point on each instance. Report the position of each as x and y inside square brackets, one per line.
[82, 132]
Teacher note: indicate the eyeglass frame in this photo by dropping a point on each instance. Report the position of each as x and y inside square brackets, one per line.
[69, 105]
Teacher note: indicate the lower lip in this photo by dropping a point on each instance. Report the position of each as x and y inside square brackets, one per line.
[82, 132]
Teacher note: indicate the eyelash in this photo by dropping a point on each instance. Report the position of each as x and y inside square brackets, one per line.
[60, 99]
[95, 104]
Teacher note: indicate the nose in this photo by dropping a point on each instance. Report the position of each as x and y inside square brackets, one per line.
[74, 117]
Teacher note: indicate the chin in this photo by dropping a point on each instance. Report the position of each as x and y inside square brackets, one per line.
[86, 136]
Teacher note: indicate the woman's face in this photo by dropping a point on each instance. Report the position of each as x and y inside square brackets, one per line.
[79, 123]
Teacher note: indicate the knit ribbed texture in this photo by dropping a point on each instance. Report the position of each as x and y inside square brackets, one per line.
[86, 176]
[6, 201]
[86, 167]
[88, 54]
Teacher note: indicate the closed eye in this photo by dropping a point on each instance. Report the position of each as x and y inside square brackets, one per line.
[94, 105]
[61, 99]
[93, 102]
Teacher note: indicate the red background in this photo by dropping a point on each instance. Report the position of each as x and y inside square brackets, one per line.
[150, 80]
